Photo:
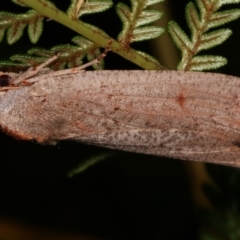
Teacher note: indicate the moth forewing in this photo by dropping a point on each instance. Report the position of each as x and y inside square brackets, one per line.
[185, 115]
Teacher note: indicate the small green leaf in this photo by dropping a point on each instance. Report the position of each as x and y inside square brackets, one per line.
[8, 66]
[123, 12]
[202, 7]
[15, 32]
[35, 29]
[88, 7]
[90, 162]
[94, 6]
[178, 35]
[202, 63]
[41, 52]
[151, 2]
[213, 39]
[82, 42]
[65, 49]
[223, 17]
[26, 59]
[134, 21]
[148, 16]
[15, 23]
[193, 18]
[144, 33]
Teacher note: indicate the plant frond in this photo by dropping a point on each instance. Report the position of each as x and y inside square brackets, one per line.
[199, 23]
[213, 39]
[89, 163]
[88, 7]
[10, 66]
[70, 55]
[179, 36]
[135, 20]
[202, 63]
[28, 60]
[16, 23]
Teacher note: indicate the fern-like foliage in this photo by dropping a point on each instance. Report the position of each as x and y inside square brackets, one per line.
[15, 24]
[70, 56]
[135, 20]
[201, 39]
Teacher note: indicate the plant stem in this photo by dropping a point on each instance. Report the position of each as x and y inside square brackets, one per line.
[102, 40]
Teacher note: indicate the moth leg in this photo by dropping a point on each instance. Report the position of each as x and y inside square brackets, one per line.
[76, 69]
[4, 89]
[32, 71]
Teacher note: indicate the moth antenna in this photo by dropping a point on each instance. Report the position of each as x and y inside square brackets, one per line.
[32, 71]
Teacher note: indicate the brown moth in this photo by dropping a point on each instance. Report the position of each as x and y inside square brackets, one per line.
[184, 115]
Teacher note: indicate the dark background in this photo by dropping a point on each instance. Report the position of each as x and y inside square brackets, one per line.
[127, 196]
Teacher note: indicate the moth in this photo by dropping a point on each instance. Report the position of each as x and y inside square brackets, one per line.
[182, 115]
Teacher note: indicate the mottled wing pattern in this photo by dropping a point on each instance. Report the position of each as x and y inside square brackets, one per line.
[192, 116]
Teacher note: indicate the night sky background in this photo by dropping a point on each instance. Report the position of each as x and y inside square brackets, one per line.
[126, 196]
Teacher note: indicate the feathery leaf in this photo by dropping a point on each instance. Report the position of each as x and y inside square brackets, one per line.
[35, 28]
[201, 39]
[15, 32]
[223, 17]
[70, 55]
[201, 63]
[135, 20]
[15, 24]
[214, 38]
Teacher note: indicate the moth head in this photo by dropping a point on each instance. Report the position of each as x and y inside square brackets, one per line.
[4, 80]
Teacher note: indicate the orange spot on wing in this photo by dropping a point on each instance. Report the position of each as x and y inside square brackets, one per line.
[180, 100]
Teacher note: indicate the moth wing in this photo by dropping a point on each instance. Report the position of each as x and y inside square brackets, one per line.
[174, 143]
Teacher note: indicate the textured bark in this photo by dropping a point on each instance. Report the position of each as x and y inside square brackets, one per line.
[184, 115]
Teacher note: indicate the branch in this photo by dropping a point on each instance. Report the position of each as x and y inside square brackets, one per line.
[183, 115]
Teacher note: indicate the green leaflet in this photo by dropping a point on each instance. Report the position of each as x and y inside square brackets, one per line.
[207, 62]
[87, 7]
[135, 20]
[223, 17]
[148, 32]
[214, 38]
[15, 32]
[200, 23]
[35, 28]
[16, 23]
[89, 163]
